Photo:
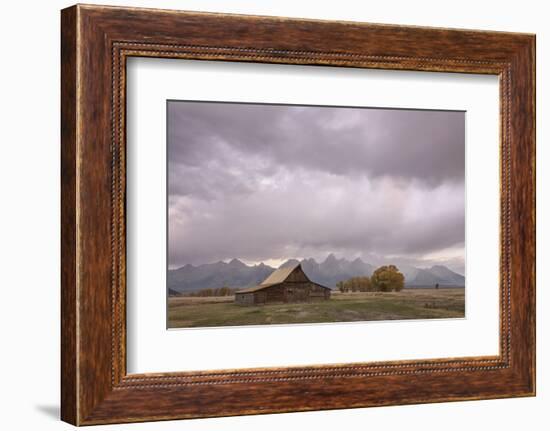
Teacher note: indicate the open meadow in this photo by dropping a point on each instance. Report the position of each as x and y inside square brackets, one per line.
[418, 303]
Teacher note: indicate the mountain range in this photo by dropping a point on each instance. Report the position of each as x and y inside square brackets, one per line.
[236, 274]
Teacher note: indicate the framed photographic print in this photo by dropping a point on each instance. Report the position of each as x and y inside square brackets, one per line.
[322, 214]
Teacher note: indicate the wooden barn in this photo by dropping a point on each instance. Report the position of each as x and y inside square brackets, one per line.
[289, 284]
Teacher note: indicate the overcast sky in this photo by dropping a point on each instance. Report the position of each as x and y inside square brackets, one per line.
[271, 182]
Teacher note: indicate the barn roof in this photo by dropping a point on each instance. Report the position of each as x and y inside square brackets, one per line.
[255, 288]
[280, 275]
[276, 277]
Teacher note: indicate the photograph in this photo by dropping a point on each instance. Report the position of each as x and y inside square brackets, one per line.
[304, 214]
[286, 214]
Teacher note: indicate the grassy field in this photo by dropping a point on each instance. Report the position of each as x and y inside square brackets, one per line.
[187, 312]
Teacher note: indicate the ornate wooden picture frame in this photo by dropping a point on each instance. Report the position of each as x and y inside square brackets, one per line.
[96, 41]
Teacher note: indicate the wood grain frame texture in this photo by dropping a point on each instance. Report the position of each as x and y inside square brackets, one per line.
[95, 43]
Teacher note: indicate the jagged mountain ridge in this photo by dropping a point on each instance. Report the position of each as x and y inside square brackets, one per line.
[236, 274]
[190, 278]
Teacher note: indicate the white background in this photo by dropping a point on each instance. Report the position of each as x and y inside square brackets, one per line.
[151, 348]
[29, 220]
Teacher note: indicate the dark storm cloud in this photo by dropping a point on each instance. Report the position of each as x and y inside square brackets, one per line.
[427, 145]
[267, 182]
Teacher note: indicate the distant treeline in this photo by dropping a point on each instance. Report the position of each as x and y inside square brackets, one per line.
[385, 279]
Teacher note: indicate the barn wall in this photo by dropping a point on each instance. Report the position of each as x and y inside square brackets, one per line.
[297, 276]
[244, 298]
[297, 292]
[275, 293]
[319, 292]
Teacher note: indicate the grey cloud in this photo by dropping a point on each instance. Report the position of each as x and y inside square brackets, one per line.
[265, 182]
[425, 145]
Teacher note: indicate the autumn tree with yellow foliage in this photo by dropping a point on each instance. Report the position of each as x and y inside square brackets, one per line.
[387, 279]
